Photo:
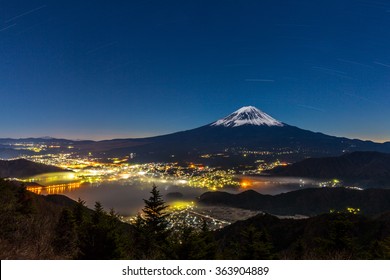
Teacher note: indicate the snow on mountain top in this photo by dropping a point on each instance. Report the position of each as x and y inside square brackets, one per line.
[247, 115]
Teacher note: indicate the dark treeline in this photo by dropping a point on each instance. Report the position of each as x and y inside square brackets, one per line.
[47, 227]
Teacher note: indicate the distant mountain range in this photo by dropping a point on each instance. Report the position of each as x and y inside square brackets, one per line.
[308, 202]
[21, 168]
[367, 168]
[247, 129]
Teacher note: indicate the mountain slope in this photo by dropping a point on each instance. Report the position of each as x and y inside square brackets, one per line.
[246, 129]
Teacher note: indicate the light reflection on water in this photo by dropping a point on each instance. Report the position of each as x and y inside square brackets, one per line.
[276, 185]
[54, 178]
[126, 196]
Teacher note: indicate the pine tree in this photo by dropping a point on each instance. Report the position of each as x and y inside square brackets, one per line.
[99, 214]
[79, 212]
[205, 243]
[340, 240]
[65, 240]
[382, 249]
[155, 215]
[253, 244]
[99, 236]
[152, 228]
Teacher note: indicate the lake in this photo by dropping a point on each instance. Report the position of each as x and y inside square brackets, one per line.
[126, 196]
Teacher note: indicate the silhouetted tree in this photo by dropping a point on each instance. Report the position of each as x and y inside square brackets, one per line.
[152, 227]
[184, 243]
[155, 215]
[383, 249]
[99, 238]
[252, 244]
[65, 242]
[79, 212]
[339, 241]
[205, 243]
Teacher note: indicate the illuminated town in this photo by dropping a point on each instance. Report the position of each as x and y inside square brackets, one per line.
[87, 168]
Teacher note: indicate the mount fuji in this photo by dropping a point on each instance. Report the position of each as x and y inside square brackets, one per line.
[247, 129]
[248, 115]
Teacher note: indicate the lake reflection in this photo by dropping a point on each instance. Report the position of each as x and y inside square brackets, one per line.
[126, 196]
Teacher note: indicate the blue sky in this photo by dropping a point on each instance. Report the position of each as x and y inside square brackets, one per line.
[106, 69]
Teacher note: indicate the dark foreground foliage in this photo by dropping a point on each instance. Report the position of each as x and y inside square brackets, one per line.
[55, 227]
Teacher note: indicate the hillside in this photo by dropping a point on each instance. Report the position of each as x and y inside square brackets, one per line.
[309, 202]
[328, 236]
[366, 168]
[56, 227]
[28, 222]
[20, 168]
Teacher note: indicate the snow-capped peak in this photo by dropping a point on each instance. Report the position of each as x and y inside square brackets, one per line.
[247, 115]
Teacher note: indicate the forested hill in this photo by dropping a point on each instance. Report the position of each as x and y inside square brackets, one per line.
[20, 168]
[328, 236]
[308, 202]
[366, 168]
[56, 227]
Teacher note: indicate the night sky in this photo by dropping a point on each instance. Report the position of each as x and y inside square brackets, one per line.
[120, 68]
